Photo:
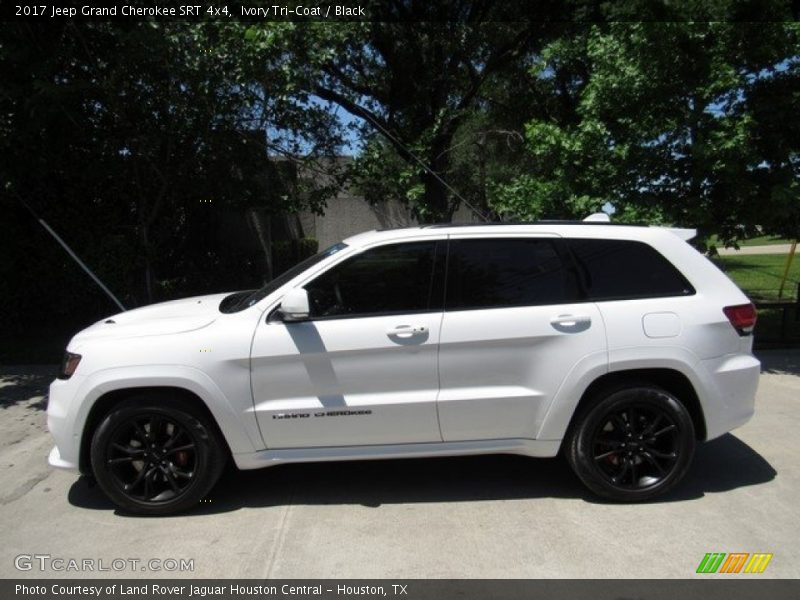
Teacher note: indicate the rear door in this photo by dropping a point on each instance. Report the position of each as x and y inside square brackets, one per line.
[514, 326]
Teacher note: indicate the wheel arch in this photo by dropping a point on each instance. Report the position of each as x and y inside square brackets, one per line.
[231, 413]
[671, 380]
[105, 403]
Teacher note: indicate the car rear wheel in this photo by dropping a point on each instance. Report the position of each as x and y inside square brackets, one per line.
[156, 455]
[633, 444]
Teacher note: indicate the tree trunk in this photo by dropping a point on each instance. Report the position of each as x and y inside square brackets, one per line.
[483, 201]
[695, 168]
[149, 276]
[437, 203]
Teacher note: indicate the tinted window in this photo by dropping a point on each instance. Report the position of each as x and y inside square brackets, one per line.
[619, 269]
[506, 272]
[388, 279]
[241, 300]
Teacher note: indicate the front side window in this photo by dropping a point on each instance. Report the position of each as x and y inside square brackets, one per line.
[241, 300]
[503, 272]
[389, 279]
[624, 269]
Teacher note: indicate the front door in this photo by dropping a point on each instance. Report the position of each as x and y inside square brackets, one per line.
[363, 369]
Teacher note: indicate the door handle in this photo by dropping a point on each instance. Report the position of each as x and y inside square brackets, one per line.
[407, 331]
[571, 322]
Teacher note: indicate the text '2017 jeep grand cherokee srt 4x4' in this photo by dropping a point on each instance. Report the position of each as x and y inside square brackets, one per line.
[622, 345]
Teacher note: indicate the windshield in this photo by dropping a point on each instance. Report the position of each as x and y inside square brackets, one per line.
[247, 299]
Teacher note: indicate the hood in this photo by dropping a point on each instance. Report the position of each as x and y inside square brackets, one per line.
[175, 316]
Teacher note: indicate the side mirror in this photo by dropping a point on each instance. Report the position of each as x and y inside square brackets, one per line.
[294, 306]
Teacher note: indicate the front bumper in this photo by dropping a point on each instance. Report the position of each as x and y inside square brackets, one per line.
[61, 422]
[55, 460]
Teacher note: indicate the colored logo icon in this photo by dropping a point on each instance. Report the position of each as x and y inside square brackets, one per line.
[734, 562]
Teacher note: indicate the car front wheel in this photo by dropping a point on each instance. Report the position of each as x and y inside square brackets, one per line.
[156, 455]
[633, 444]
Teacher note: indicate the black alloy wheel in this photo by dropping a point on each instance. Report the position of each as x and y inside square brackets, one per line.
[152, 458]
[156, 455]
[633, 444]
[636, 446]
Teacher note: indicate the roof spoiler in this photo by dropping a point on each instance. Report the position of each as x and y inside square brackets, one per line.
[684, 234]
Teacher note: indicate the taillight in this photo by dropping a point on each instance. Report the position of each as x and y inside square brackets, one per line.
[742, 317]
[68, 365]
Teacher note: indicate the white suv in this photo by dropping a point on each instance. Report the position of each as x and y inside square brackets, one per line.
[621, 345]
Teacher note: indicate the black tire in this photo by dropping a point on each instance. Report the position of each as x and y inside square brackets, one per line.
[156, 455]
[632, 444]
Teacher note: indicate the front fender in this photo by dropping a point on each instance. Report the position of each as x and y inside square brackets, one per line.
[237, 425]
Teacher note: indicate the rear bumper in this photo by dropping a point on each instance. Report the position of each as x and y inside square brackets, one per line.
[732, 381]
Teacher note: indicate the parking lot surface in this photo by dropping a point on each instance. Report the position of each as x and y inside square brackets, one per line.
[481, 517]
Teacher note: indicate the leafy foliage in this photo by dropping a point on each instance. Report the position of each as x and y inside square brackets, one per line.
[160, 150]
[413, 83]
[669, 121]
[145, 146]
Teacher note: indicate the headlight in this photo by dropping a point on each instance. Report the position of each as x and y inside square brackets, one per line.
[68, 365]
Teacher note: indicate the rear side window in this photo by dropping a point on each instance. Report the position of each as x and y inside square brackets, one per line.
[623, 269]
[501, 272]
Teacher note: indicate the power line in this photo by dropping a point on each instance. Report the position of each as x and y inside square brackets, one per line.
[74, 256]
[426, 167]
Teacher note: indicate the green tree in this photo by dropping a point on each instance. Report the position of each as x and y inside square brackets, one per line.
[668, 121]
[415, 75]
[139, 142]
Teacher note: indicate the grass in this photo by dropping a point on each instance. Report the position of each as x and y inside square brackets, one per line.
[762, 240]
[765, 240]
[759, 275]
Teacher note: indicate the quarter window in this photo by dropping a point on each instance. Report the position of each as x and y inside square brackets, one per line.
[623, 269]
[501, 272]
[384, 280]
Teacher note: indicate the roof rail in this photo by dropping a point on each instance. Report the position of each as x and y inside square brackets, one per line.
[541, 222]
